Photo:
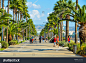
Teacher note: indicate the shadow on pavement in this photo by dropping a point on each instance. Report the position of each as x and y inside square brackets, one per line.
[36, 45]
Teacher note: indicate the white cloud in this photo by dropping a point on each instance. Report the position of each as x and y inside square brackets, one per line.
[32, 5]
[35, 14]
[42, 14]
[46, 20]
[49, 13]
[64, 24]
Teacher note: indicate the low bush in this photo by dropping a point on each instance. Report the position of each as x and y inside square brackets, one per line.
[28, 38]
[63, 43]
[83, 49]
[4, 44]
[13, 42]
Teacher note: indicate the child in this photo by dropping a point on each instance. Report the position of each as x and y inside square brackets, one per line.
[54, 41]
[46, 39]
[57, 41]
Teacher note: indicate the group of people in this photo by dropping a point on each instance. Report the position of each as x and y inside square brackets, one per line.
[56, 40]
[43, 39]
[31, 40]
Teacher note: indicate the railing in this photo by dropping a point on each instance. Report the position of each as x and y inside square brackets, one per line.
[52, 38]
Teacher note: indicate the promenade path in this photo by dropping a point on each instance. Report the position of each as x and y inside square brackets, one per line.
[36, 49]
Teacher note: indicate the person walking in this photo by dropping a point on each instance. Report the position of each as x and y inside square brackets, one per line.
[69, 39]
[57, 39]
[54, 41]
[35, 39]
[43, 39]
[46, 39]
[32, 39]
[40, 39]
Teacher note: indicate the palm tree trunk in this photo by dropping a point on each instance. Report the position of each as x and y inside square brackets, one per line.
[58, 28]
[60, 31]
[18, 20]
[0, 4]
[67, 27]
[76, 25]
[14, 14]
[3, 14]
[8, 23]
[26, 28]
[16, 30]
[82, 33]
[14, 19]
[0, 8]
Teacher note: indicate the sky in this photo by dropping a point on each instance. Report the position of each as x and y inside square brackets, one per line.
[39, 10]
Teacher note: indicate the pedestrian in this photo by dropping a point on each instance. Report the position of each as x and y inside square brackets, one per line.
[46, 39]
[43, 39]
[35, 39]
[57, 39]
[40, 39]
[69, 39]
[32, 39]
[54, 41]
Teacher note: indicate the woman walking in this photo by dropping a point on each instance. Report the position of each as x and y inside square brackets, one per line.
[69, 39]
[57, 43]
[32, 39]
[54, 41]
[46, 39]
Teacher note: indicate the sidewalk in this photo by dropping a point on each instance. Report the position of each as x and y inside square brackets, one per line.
[36, 49]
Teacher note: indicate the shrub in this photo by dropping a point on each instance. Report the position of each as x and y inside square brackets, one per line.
[4, 44]
[63, 43]
[83, 49]
[71, 46]
[78, 48]
[28, 38]
[13, 42]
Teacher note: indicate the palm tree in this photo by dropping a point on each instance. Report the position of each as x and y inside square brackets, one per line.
[8, 23]
[0, 4]
[60, 31]
[67, 27]
[76, 25]
[3, 14]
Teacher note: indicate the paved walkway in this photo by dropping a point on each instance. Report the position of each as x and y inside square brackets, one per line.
[36, 49]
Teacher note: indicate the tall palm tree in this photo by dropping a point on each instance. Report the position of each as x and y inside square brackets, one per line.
[67, 27]
[26, 29]
[76, 25]
[61, 25]
[60, 31]
[8, 23]
[0, 4]
[3, 14]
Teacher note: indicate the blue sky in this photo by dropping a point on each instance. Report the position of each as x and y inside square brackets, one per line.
[39, 9]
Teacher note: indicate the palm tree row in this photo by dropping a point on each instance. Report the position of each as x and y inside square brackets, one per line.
[18, 26]
[67, 9]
